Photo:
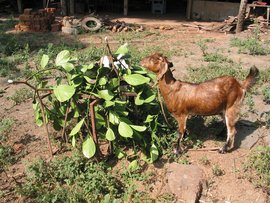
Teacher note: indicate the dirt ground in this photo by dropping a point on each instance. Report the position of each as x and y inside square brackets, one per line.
[30, 140]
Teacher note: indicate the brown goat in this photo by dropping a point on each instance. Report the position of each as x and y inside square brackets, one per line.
[223, 95]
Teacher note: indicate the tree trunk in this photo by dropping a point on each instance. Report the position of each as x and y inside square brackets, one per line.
[20, 6]
[71, 7]
[241, 16]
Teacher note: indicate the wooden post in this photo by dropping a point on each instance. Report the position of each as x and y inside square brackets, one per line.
[63, 7]
[241, 16]
[189, 9]
[20, 7]
[125, 7]
[71, 7]
[45, 3]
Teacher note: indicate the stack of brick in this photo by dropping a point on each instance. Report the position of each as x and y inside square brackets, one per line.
[41, 21]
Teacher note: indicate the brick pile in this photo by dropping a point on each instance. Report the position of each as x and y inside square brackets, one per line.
[42, 20]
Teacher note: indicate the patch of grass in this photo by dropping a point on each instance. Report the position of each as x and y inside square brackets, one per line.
[7, 24]
[6, 156]
[216, 170]
[21, 95]
[70, 179]
[257, 167]
[216, 57]
[213, 70]
[251, 45]
[266, 94]
[166, 197]
[6, 125]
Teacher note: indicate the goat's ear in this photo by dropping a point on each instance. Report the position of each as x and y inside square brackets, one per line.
[163, 69]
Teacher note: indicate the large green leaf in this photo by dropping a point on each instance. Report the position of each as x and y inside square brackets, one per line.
[77, 128]
[87, 67]
[136, 79]
[138, 128]
[64, 92]
[133, 166]
[110, 135]
[62, 58]
[89, 147]
[106, 94]
[113, 118]
[138, 100]
[122, 50]
[153, 153]
[44, 61]
[125, 130]
[68, 66]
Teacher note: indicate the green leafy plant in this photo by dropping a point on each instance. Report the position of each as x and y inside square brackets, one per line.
[257, 167]
[126, 109]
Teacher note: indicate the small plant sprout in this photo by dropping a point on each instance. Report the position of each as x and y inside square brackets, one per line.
[217, 171]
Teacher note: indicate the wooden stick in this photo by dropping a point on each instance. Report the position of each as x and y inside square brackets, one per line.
[205, 149]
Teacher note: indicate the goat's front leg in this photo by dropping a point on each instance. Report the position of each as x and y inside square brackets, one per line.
[181, 131]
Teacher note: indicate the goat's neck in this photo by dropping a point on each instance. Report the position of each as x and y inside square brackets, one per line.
[166, 82]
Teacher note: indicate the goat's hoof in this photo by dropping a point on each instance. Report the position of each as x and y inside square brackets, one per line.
[176, 152]
[222, 150]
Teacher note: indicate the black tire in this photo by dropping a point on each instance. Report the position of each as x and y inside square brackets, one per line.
[96, 24]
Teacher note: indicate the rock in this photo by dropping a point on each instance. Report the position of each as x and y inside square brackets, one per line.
[185, 181]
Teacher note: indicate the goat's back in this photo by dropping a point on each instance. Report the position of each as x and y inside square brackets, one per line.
[208, 98]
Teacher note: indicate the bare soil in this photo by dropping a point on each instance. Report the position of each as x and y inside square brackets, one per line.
[29, 141]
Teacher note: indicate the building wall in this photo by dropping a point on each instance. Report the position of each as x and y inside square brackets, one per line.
[213, 10]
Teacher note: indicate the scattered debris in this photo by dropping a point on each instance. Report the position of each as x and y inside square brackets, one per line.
[122, 26]
[41, 21]
[229, 25]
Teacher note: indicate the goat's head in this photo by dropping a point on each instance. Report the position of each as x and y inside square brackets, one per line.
[157, 63]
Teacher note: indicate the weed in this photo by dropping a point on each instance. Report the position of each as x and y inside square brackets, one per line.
[257, 167]
[204, 160]
[6, 125]
[21, 95]
[266, 95]
[249, 102]
[6, 156]
[266, 117]
[217, 171]
[166, 197]
[203, 46]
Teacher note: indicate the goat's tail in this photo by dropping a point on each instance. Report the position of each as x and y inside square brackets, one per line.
[251, 78]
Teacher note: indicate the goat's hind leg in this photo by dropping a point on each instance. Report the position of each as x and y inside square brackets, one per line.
[230, 118]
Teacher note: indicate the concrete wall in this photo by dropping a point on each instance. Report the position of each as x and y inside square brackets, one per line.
[213, 10]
